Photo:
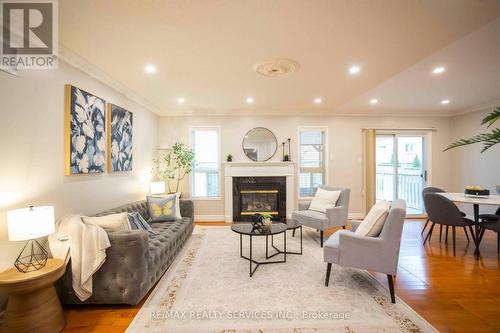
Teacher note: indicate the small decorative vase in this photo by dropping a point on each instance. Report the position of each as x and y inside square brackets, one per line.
[267, 224]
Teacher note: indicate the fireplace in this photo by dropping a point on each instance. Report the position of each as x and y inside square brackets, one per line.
[263, 195]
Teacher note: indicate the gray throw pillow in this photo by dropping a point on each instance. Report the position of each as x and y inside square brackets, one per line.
[138, 223]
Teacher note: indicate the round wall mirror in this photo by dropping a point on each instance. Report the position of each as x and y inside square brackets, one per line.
[260, 144]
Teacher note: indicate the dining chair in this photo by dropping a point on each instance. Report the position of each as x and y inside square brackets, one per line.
[490, 217]
[493, 226]
[438, 190]
[443, 211]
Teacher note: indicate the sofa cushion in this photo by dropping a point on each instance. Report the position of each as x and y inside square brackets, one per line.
[164, 208]
[311, 219]
[112, 222]
[324, 199]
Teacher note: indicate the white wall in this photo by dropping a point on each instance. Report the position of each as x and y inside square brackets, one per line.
[470, 166]
[32, 150]
[344, 141]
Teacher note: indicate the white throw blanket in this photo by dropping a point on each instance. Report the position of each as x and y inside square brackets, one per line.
[85, 244]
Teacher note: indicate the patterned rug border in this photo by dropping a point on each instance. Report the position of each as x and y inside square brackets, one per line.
[188, 255]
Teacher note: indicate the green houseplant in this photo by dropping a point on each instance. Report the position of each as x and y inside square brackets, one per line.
[173, 165]
[488, 139]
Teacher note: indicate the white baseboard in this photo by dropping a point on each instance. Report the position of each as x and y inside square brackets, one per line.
[209, 218]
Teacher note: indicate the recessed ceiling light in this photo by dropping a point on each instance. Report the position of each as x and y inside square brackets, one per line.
[318, 100]
[249, 100]
[181, 100]
[438, 70]
[150, 68]
[354, 69]
[445, 101]
[373, 101]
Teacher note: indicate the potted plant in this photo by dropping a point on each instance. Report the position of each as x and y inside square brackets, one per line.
[266, 221]
[173, 165]
[229, 158]
[488, 139]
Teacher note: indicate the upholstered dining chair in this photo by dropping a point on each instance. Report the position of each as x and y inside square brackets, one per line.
[334, 217]
[380, 254]
[443, 211]
[493, 226]
[429, 235]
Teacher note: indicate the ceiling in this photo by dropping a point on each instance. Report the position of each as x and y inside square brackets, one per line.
[204, 52]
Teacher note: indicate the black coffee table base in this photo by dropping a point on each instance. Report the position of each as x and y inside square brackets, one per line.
[278, 251]
[254, 264]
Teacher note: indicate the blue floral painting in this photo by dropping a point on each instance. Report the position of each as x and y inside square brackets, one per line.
[120, 150]
[86, 134]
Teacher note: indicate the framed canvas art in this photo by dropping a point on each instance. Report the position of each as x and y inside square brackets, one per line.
[85, 132]
[120, 148]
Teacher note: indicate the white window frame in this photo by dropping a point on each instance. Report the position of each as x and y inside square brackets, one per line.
[191, 180]
[327, 155]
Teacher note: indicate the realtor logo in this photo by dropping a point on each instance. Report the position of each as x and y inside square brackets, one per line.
[29, 34]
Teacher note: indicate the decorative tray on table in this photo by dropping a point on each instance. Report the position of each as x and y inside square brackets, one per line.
[476, 191]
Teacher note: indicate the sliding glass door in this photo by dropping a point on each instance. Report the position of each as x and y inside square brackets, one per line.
[401, 172]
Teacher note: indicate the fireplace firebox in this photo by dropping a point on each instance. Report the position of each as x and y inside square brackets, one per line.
[259, 195]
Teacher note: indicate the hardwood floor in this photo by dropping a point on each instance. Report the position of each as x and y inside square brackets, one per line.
[455, 294]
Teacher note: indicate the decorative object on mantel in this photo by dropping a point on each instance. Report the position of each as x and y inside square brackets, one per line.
[289, 150]
[85, 132]
[476, 191]
[120, 122]
[229, 158]
[488, 139]
[173, 164]
[259, 144]
[29, 224]
[283, 151]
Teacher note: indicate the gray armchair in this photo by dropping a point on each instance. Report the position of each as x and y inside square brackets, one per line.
[378, 254]
[334, 217]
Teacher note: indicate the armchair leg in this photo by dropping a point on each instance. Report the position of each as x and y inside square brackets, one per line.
[390, 279]
[321, 237]
[328, 271]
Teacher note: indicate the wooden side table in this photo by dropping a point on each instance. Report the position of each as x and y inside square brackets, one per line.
[33, 304]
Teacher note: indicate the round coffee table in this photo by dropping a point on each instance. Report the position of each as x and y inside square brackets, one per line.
[248, 230]
[33, 305]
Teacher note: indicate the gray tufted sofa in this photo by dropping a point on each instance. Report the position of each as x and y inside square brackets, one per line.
[135, 261]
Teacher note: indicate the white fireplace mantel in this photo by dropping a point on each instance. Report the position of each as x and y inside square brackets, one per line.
[258, 169]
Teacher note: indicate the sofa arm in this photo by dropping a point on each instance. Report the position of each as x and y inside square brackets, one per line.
[304, 204]
[370, 253]
[129, 252]
[187, 208]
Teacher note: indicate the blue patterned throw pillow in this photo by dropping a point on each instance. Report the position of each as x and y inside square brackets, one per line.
[164, 208]
[138, 223]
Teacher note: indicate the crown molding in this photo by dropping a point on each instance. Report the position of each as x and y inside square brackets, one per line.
[478, 107]
[80, 63]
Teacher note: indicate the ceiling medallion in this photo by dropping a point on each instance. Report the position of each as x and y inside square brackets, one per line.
[276, 67]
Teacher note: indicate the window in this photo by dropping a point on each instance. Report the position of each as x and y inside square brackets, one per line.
[312, 164]
[205, 175]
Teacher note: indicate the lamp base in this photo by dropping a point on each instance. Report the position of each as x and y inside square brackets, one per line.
[32, 257]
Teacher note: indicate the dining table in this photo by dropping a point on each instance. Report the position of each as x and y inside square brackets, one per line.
[475, 201]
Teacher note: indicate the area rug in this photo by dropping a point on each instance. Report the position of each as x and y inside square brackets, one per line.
[208, 289]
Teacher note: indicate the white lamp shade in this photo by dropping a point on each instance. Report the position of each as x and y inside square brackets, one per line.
[30, 223]
[157, 187]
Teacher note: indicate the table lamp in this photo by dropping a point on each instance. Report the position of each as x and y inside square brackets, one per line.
[29, 224]
[157, 187]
